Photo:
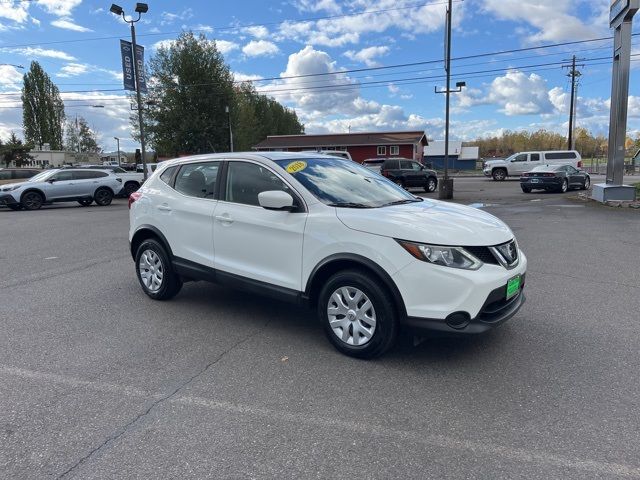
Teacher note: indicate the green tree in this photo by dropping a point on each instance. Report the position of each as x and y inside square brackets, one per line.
[15, 151]
[42, 109]
[185, 109]
[79, 137]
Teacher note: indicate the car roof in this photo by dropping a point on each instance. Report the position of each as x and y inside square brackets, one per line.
[257, 156]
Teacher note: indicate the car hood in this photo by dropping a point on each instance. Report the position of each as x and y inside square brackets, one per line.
[11, 185]
[494, 162]
[431, 221]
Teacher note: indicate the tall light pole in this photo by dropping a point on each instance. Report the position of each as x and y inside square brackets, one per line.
[140, 9]
[118, 140]
[445, 190]
[228, 110]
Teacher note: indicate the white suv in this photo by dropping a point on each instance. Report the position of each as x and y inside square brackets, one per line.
[364, 253]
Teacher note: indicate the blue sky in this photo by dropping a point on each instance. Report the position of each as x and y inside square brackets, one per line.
[299, 37]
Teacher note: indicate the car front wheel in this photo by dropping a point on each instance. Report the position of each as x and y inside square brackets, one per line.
[526, 189]
[565, 186]
[155, 272]
[31, 201]
[357, 315]
[499, 174]
[587, 184]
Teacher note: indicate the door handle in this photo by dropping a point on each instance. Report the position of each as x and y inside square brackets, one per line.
[164, 208]
[225, 219]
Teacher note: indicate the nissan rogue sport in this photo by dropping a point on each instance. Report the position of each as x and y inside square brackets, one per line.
[367, 255]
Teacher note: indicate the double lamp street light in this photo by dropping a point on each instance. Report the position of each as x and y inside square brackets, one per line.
[140, 9]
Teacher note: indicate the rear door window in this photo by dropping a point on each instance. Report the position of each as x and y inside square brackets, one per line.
[391, 165]
[535, 157]
[406, 165]
[198, 179]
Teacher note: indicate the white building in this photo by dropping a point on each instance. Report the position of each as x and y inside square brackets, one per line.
[46, 158]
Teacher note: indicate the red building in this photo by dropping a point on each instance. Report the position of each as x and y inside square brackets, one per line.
[360, 146]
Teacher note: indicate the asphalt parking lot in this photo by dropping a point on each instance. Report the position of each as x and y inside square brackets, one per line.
[98, 381]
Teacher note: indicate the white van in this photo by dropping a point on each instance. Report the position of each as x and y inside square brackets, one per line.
[518, 163]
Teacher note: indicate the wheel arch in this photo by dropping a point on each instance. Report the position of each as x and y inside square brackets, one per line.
[103, 187]
[351, 261]
[146, 232]
[37, 190]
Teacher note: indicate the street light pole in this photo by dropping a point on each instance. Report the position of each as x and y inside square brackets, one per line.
[140, 9]
[118, 140]
[445, 191]
[228, 110]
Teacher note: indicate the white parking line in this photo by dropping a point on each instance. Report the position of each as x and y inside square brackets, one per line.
[415, 437]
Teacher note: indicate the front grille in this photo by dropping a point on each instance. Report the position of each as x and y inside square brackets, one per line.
[483, 254]
[505, 254]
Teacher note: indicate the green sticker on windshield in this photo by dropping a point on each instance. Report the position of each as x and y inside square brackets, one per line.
[297, 166]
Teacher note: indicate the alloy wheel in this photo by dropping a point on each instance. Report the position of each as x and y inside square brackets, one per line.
[151, 270]
[565, 186]
[431, 185]
[587, 183]
[351, 316]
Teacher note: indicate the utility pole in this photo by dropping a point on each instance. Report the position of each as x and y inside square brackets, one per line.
[228, 110]
[574, 74]
[118, 140]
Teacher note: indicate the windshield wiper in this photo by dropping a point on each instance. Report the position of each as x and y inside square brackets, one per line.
[349, 205]
[402, 202]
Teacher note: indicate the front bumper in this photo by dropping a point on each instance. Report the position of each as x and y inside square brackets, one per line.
[474, 301]
[487, 172]
[6, 199]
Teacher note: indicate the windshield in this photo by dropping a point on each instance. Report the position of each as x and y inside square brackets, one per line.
[343, 183]
[42, 176]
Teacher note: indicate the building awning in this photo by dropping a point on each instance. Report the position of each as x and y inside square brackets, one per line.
[342, 140]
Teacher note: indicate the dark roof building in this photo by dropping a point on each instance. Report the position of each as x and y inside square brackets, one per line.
[360, 145]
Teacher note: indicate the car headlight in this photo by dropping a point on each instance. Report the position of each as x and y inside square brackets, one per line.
[454, 257]
[11, 189]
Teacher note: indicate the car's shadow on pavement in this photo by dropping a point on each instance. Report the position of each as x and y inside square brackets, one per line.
[299, 326]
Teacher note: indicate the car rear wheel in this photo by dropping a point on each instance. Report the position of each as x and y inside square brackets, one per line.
[130, 187]
[31, 201]
[565, 186]
[526, 189]
[103, 197]
[432, 184]
[499, 174]
[357, 314]
[155, 272]
[85, 202]
[587, 184]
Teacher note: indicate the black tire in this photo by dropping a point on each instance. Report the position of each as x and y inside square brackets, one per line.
[432, 185]
[171, 283]
[586, 184]
[386, 325]
[31, 201]
[526, 189]
[564, 188]
[129, 188]
[499, 174]
[103, 197]
[15, 208]
[85, 202]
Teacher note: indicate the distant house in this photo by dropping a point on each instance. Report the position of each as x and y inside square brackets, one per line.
[361, 146]
[460, 158]
[44, 157]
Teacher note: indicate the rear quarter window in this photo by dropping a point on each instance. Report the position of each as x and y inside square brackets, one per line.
[560, 156]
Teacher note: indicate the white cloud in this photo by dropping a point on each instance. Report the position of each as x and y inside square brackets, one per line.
[73, 70]
[60, 8]
[553, 20]
[9, 75]
[41, 52]
[244, 77]
[67, 23]
[515, 93]
[330, 6]
[367, 55]
[15, 11]
[402, 15]
[257, 31]
[257, 48]
[168, 18]
[163, 44]
[225, 46]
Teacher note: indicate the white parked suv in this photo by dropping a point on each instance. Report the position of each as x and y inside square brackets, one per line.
[519, 163]
[364, 253]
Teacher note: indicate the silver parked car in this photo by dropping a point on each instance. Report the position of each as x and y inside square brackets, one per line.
[62, 185]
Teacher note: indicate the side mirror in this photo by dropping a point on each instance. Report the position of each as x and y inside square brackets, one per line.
[275, 200]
